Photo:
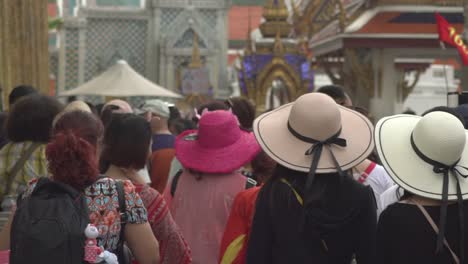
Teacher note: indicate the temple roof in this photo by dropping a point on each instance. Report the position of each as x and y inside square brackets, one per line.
[407, 23]
[388, 27]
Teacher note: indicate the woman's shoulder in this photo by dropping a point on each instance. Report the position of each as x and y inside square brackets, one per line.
[110, 185]
[399, 212]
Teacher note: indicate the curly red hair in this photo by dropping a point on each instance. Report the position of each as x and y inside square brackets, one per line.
[71, 154]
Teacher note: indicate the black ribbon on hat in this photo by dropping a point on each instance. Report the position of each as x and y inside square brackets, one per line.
[316, 151]
[455, 170]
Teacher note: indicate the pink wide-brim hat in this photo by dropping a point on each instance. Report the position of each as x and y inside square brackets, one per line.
[218, 146]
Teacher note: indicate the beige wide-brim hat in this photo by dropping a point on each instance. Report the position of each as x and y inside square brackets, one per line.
[439, 136]
[318, 117]
[71, 107]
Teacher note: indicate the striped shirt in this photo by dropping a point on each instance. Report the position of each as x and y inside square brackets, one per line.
[34, 167]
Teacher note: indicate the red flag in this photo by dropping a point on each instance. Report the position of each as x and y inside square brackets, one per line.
[448, 34]
[463, 53]
[444, 29]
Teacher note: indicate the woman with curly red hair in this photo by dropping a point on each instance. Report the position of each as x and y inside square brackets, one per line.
[72, 158]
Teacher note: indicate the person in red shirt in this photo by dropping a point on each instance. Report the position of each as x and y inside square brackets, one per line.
[236, 233]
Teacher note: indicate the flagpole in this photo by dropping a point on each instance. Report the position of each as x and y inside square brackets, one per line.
[446, 83]
[442, 45]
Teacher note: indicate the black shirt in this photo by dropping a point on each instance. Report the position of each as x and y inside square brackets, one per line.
[405, 236]
[280, 233]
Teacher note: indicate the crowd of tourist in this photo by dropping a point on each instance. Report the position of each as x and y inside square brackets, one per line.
[312, 181]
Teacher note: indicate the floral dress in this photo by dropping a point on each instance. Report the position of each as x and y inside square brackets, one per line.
[103, 207]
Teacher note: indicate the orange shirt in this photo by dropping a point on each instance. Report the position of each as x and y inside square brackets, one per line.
[236, 233]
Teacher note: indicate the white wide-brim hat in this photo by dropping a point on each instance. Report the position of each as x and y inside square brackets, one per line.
[314, 116]
[438, 136]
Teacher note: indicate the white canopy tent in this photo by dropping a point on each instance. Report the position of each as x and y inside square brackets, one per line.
[121, 80]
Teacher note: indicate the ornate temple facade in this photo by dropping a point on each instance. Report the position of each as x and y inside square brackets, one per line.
[274, 69]
[370, 46]
[155, 37]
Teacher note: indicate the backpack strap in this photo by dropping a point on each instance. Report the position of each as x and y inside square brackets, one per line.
[436, 229]
[250, 183]
[122, 210]
[174, 182]
[11, 175]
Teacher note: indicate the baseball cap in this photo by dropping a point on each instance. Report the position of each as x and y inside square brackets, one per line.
[157, 107]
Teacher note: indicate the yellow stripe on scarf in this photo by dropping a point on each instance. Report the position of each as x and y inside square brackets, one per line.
[298, 197]
[232, 251]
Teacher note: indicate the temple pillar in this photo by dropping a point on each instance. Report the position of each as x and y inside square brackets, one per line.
[24, 55]
[385, 100]
[170, 74]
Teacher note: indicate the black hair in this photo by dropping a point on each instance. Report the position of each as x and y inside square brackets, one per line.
[244, 109]
[334, 91]
[325, 206]
[19, 92]
[262, 167]
[324, 189]
[211, 106]
[127, 140]
[174, 112]
[180, 125]
[99, 108]
[31, 117]
[107, 113]
[93, 108]
[71, 99]
[409, 112]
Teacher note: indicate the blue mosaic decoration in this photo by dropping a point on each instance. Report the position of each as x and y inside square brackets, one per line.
[307, 73]
[254, 64]
[295, 61]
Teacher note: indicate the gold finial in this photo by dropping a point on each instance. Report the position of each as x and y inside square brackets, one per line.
[276, 15]
[278, 48]
[342, 16]
[296, 12]
[196, 60]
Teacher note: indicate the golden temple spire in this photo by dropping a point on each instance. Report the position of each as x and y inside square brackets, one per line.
[278, 48]
[196, 60]
[342, 16]
[276, 14]
[296, 12]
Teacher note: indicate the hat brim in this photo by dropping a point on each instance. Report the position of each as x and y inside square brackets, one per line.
[273, 135]
[225, 160]
[393, 143]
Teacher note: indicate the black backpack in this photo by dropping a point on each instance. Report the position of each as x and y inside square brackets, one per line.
[48, 226]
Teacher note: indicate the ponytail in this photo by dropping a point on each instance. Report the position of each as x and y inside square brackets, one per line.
[72, 160]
